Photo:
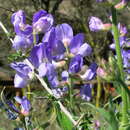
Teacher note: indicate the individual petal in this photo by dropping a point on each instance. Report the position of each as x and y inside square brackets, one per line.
[25, 106]
[122, 29]
[20, 81]
[23, 29]
[90, 72]
[76, 42]
[18, 17]
[65, 75]
[75, 64]
[51, 73]
[37, 55]
[86, 92]
[64, 33]
[95, 24]
[38, 15]
[47, 35]
[42, 69]
[85, 50]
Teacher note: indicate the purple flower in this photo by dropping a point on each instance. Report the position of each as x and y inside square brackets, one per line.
[20, 81]
[42, 21]
[63, 35]
[22, 76]
[22, 43]
[86, 92]
[24, 103]
[18, 19]
[21, 68]
[95, 24]
[90, 72]
[75, 64]
[78, 47]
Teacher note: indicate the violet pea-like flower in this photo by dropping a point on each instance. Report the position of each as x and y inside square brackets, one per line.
[90, 72]
[42, 22]
[23, 75]
[24, 103]
[75, 64]
[22, 43]
[86, 92]
[18, 19]
[75, 44]
[96, 24]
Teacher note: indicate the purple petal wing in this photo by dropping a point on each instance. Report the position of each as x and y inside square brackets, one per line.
[76, 42]
[20, 81]
[38, 15]
[76, 64]
[64, 33]
[85, 50]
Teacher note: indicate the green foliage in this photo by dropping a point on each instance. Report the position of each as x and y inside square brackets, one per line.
[63, 120]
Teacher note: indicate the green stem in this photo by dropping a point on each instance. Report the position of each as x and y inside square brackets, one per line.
[120, 65]
[98, 92]
[70, 94]
[34, 38]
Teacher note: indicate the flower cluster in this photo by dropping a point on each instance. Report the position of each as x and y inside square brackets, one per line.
[58, 48]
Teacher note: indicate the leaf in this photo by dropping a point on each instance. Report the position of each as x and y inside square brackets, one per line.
[63, 120]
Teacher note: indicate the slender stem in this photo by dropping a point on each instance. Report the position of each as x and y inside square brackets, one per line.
[29, 91]
[120, 65]
[6, 31]
[98, 92]
[70, 94]
[34, 38]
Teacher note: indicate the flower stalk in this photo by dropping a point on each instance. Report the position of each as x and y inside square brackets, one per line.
[120, 66]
